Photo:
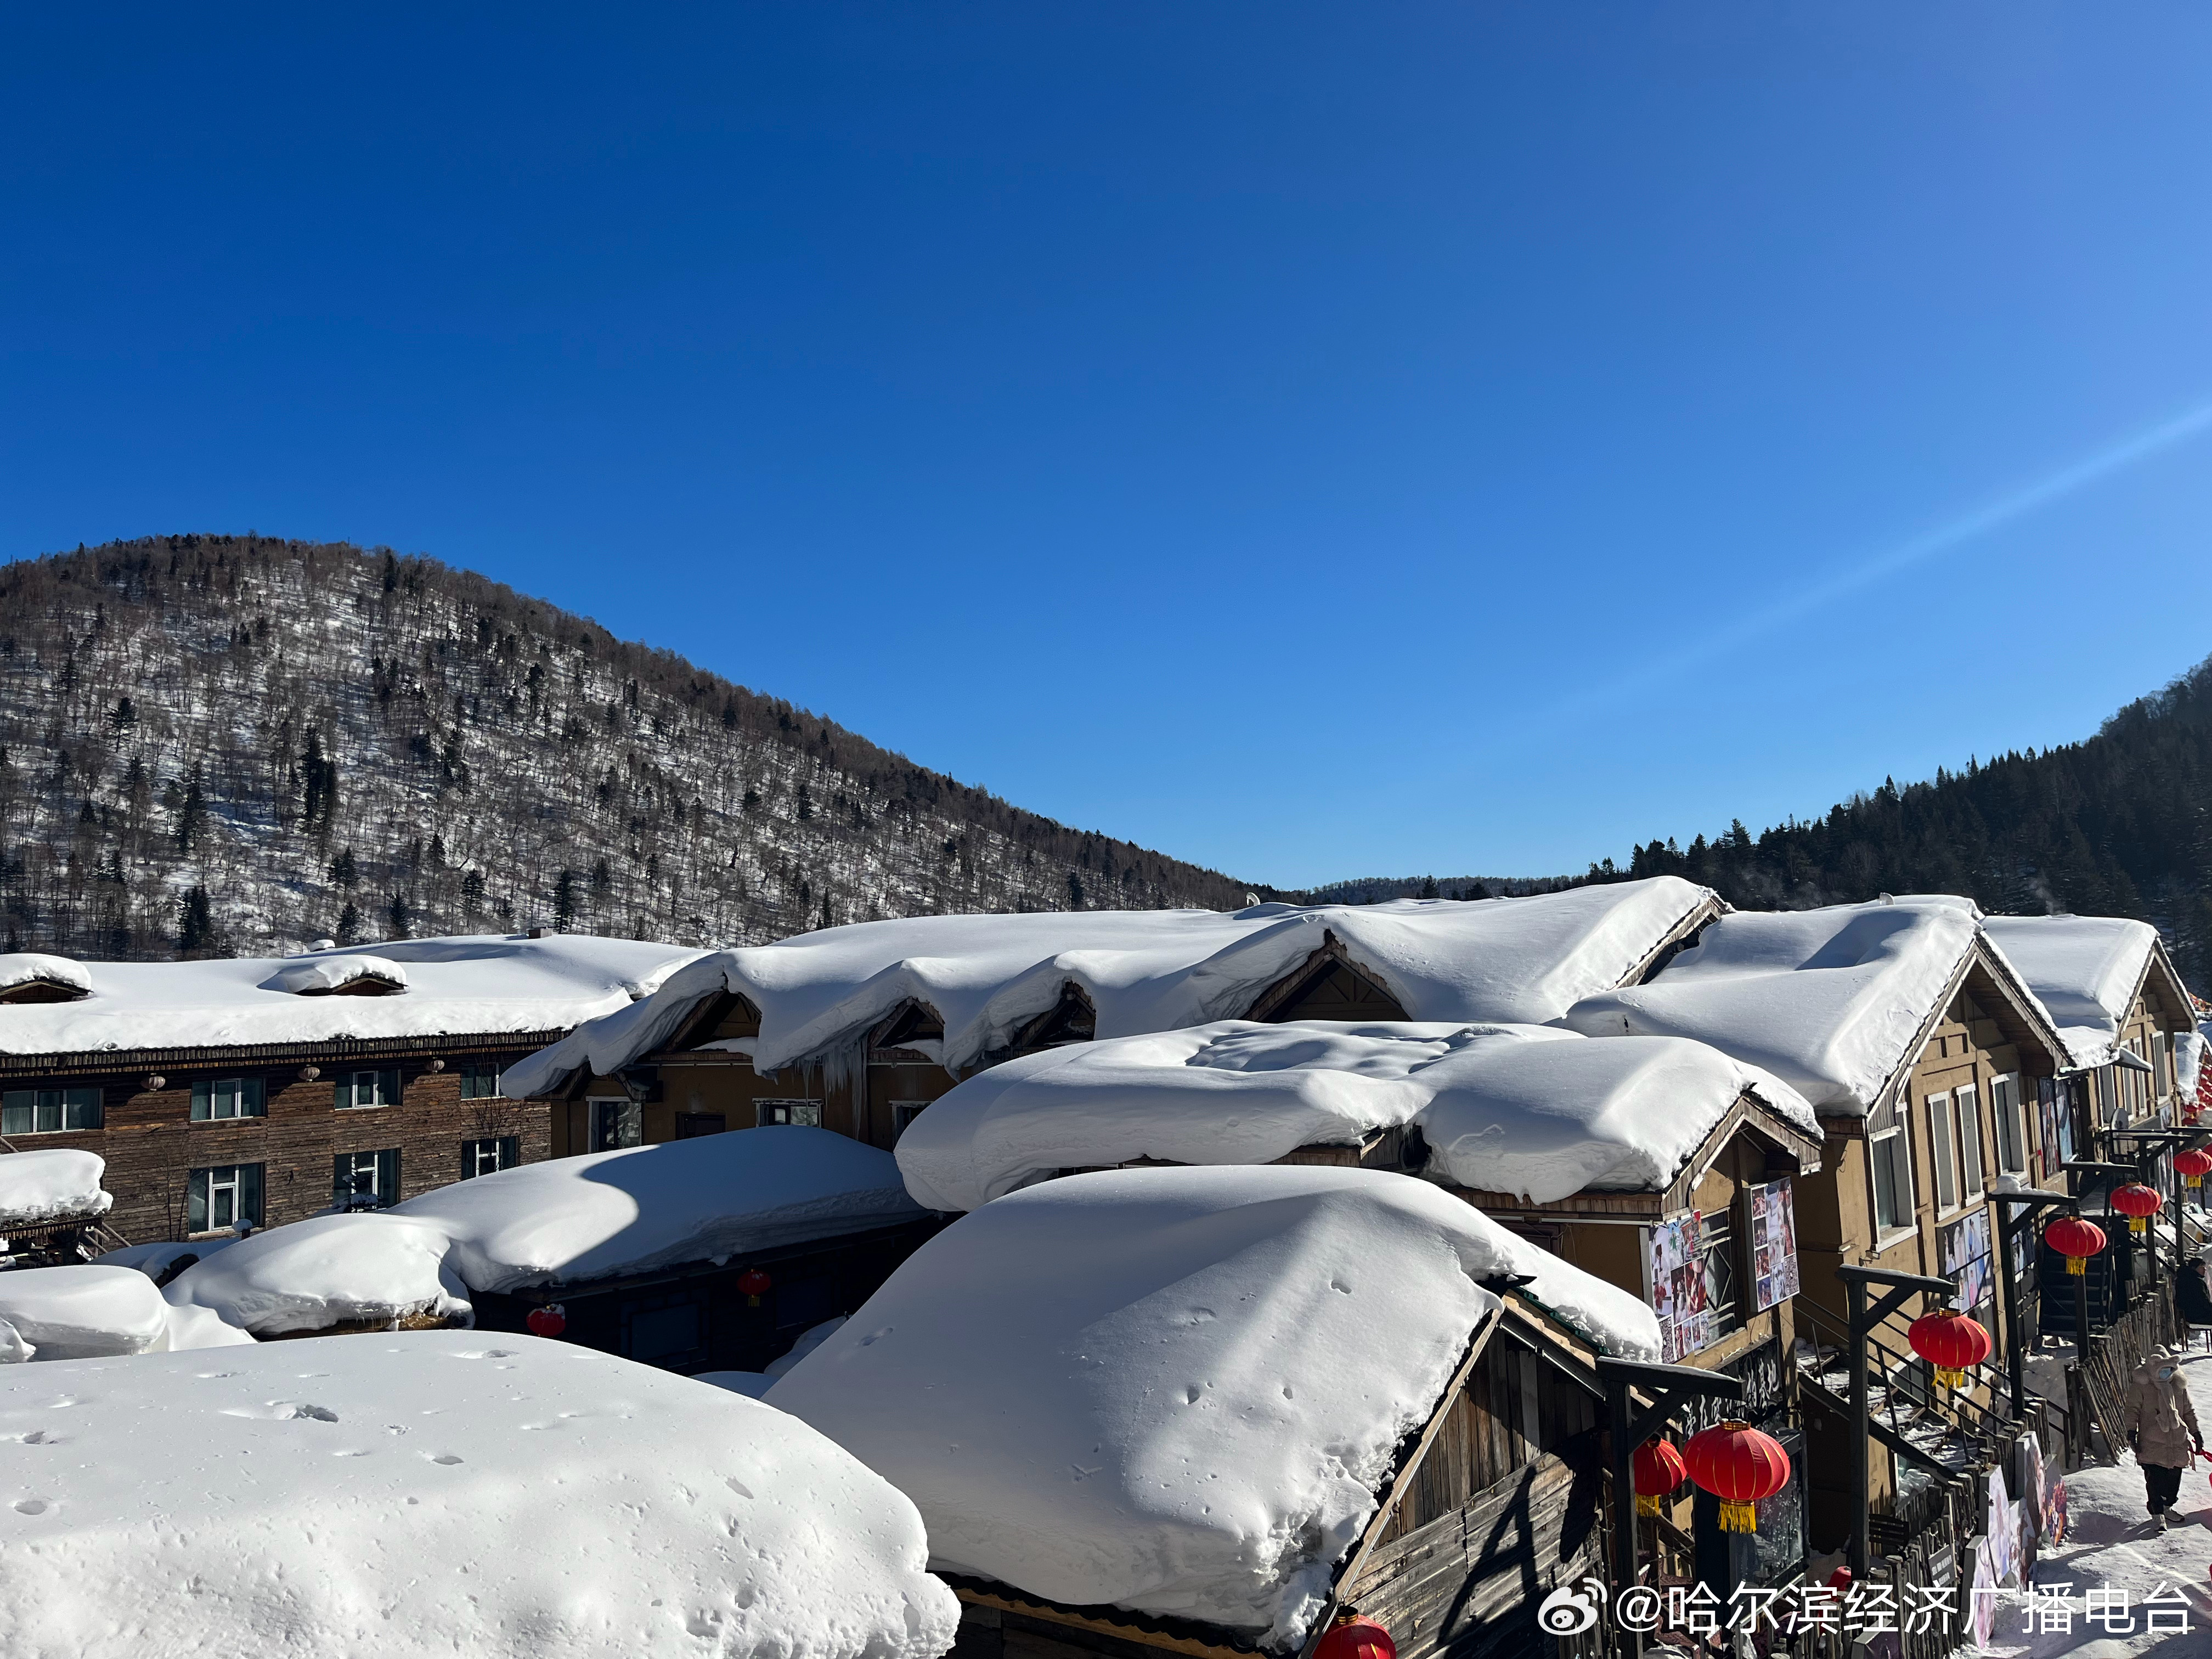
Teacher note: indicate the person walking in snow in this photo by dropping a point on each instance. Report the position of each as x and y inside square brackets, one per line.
[2162, 1421]
[2192, 1299]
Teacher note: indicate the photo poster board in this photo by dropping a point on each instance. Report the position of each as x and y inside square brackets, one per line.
[1984, 1594]
[2032, 1488]
[1966, 1257]
[2054, 1506]
[2002, 1539]
[1773, 1244]
[1674, 1277]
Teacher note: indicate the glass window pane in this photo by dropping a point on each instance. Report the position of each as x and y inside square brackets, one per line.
[16, 1107]
[80, 1109]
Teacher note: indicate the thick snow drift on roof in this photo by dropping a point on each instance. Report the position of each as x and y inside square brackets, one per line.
[1171, 1390]
[487, 983]
[2084, 969]
[33, 967]
[49, 1183]
[308, 976]
[1828, 1000]
[2188, 1055]
[1520, 959]
[565, 1221]
[84, 1312]
[435, 1493]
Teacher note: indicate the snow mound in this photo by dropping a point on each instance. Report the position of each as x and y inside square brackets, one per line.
[1510, 960]
[370, 1268]
[1173, 1390]
[2085, 970]
[1231, 1092]
[1828, 1000]
[433, 1493]
[50, 1183]
[35, 968]
[87, 1312]
[202, 1328]
[155, 1259]
[470, 985]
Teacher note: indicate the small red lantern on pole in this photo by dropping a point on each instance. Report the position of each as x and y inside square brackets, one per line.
[754, 1284]
[1952, 1342]
[1352, 1637]
[1656, 1468]
[1740, 1466]
[2077, 1239]
[2192, 1166]
[548, 1320]
[2139, 1204]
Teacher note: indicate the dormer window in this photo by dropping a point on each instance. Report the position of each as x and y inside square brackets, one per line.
[30, 976]
[341, 976]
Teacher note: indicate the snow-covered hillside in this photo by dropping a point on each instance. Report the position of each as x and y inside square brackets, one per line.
[327, 742]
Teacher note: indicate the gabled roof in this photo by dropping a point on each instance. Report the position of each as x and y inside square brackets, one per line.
[1838, 1002]
[986, 977]
[2090, 971]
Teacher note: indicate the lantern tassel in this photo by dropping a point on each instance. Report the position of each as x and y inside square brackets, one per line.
[2138, 1224]
[2077, 1265]
[1739, 1517]
[1947, 1379]
[1646, 1505]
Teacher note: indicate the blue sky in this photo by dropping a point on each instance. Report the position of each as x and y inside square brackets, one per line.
[1316, 441]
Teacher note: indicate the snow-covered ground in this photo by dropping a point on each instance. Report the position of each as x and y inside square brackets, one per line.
[2113, 1546]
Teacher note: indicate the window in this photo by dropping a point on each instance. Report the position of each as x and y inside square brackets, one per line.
[365, 1089]
[904, 1112]
[365, 1181]
[1973, 1175]
[2012, 1133]
[616, 1123]
[808, 1112]
[1945, 1153]
[490, 1154]
[49, 1111]
[1889, 1149]
[223, 1198]
[479, 1081]
[228, 1097]
[1716, 1248]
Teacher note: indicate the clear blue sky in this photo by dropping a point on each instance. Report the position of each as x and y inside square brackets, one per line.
[1313, 440]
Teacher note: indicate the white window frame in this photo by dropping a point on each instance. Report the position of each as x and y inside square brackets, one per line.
[1898, 1160]
[472, 1150]
[767, 1114]
[374, 1083]
[2007, 1110]
[50, 1111]
[904, 1112]
[628, 1117]
[1943, 1150]
[1973, 1162]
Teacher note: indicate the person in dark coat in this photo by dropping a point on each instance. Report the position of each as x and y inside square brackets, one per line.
[2192, 1299]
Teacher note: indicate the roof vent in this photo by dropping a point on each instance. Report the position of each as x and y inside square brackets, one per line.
[29, 976]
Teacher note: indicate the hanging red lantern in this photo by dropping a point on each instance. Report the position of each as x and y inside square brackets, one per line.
[550, 1320]
[2075, 1238]
[1656, 1468]
[1738, 1464]
[2193, 1166]
[1352, 1637]
[2138, 1203]
[754, 1284]
[1950, 1342]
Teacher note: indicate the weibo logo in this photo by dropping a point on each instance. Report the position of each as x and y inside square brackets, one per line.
[1573, 1608]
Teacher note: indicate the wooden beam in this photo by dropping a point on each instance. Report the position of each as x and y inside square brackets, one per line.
[1049, 1614]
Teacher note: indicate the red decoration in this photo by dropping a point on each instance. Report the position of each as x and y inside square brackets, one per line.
[1738, 1464]
[2138, 1203]
[1840, 1580]
[2193, 1166]
[1655, 1467]
[1950, 1342]
[755, 1284]
[2077, 1239]
[550, 1320]
[1354, 1637]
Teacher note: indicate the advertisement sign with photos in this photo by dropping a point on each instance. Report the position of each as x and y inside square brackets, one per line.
[1773, 1244]
[1675, 1279]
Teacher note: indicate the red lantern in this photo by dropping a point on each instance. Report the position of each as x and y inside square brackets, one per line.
[2077, 1239]
[2139, 1204]
[1738, 1464]
[755, 1284]
[1656, 1468]
[550, 1320]
[1354, 1637]
[1950, 1342]
[2193, 1166]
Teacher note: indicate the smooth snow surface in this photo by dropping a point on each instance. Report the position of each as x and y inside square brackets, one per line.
[2188, 1055]
[1828, 1000]
[563, 1221]
[50, 1183]
[1501, 960]
[436, 1493]
[2085, 970]
[1528, 1109]
[487, 983]
[1173, 1390]
[84, 1312]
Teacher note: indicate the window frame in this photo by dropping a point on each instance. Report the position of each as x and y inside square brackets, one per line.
[800, 1114]
[1943, 1150]
[383, 1173]
[474, 1077]
[904, 1113]
[2007, 1112]
[1897, 1161]
[1966, 1110]
[346, 1089]
[89, 1101]
[245, 1183]
[627, 1117]
[505, 1152]
[247, 1097]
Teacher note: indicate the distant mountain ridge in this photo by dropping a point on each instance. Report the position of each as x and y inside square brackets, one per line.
[238, 745]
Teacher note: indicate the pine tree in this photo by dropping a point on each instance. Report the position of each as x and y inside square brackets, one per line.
[195, 923]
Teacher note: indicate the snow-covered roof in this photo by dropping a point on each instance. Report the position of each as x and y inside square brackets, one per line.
[2188, 1056]
[1530, 1110]
[2085, 970]
[19, 969]
[438, 1493]
[84, 1312]
[565, 1221]
[1829, 1001]
[1174, 1390]
[488, 984]
[50, 1183]
[1516, 959]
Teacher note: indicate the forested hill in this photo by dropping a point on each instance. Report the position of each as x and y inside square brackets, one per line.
[2116, 825]
[224, 744]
